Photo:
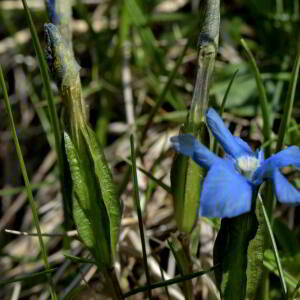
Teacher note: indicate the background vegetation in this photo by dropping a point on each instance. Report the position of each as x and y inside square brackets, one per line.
[127, 51]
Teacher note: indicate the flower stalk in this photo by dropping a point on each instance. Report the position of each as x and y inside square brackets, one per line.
[208, 47]
[95, 204]
[186, 175]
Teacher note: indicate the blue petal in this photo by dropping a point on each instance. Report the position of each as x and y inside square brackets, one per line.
[243, 144]
[289, 156]
[232, 146]
[225, 192]
[188, 145]
[285, 192]
[51, 7]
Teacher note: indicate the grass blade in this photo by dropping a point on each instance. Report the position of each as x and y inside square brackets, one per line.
[273, 242]
[46, 80]
[262, 97]
[170, 281]
[52, 112]
[164, 92]
[294, 293]
[224, 100]
[150, 176]
[288, 104]
[25, 277]
[26, 179]
[139, 212]
[16, 190]
[139, 20]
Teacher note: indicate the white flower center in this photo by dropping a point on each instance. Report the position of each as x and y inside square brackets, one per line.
[247, 165]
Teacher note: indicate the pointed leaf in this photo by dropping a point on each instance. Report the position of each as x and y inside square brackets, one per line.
[108, 188]
[90, 219]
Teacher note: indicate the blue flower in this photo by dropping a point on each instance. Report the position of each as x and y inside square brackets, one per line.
[230, 181]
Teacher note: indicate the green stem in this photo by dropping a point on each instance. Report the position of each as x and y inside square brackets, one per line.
[113, 284]
[208, 46]
[180, 249]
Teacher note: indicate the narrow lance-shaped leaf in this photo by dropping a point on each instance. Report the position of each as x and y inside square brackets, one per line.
[108, 188]
[86, 212]
[186, 178]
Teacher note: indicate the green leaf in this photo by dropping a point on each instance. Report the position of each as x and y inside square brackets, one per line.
[186, 182]
[239, 249]
[105, 181]
[90, 219]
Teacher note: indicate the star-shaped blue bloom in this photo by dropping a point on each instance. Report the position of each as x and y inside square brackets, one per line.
[230, 181]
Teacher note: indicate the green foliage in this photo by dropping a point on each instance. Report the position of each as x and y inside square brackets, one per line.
[160, 38]
[239, 249]
[186, 179]
[96, 208]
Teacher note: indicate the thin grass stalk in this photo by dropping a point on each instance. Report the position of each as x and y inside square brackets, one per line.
[150, 176]
[36, 275]
[27, 183]
[163, 278]
[295, 291]
[273, 242]
[46, 81]
[272, 140]
[223, 103]
[139, 212]
[169, 282]
[180, 249]
[52, 111]
[270, 200]
[164, 92]
[262, 97]
[289, 102]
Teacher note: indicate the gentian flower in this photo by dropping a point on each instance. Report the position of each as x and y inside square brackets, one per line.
[230, 181]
